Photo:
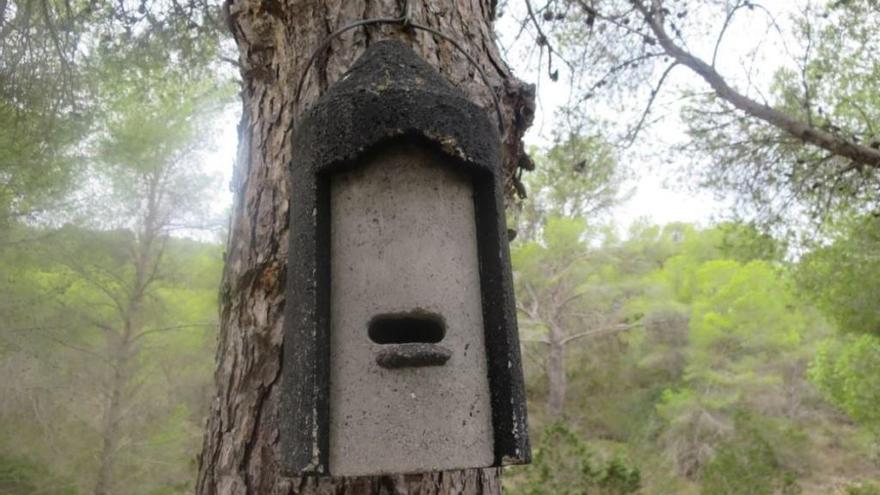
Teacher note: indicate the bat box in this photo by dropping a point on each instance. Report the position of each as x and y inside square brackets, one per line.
[401, 351]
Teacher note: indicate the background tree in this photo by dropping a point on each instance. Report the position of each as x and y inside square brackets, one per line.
[844, 371]
[804, 144]
[578, 177]
[51, 54]
[40, 107]
[771, 171]
[567, 292]
[837, 276]
[109, 395]
[108, 297]
[714, 390]
[153, 130]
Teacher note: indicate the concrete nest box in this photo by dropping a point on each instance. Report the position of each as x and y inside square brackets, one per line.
[401, 351]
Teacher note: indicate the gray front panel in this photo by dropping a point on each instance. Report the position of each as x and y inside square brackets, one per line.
[403, 241]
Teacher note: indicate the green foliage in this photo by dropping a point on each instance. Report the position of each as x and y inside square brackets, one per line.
[745, 327]
[846, 370]
[773, 174]
[110, 304]
[741, 311]
[746, 465]
[19, 476]
[841, 278]
[745, 242]
[58, 59]
[707, 388]
[564, 464]
[863, 489]
[54, 342]
[37, 160]
[576, 178]
[41, 115]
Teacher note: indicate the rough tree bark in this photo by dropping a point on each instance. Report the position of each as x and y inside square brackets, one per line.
[275, 38]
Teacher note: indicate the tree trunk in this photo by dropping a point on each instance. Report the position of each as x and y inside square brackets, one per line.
[556, 373]
[110, 430]
[122, 349]
[241, 453]
[121, 352]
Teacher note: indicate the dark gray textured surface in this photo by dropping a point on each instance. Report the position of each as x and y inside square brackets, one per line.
[390, 92]
[412, 356]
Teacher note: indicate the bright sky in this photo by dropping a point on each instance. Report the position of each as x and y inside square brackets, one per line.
[655, 193]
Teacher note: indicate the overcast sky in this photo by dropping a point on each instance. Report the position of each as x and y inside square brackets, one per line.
[656, 193]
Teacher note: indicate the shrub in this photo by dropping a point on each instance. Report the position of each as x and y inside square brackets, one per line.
[564, 464]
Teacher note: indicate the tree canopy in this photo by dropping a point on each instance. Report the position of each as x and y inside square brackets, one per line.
[802, 143]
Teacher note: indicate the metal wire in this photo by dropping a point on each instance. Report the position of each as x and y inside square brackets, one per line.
[406, 22]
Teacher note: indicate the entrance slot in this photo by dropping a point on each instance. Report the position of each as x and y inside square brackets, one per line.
[407, 328]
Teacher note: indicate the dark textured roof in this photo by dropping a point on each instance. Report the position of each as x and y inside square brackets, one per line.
[388, 93]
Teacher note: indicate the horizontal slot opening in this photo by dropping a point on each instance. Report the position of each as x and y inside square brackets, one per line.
[407, 328]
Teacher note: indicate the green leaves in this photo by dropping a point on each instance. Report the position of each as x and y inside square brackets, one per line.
[108, 320]
[707, 390]
[847, 372]
[843, 277]
[19, 476]
[747, 464]
[63, 62]
[743, 309]
[776, 176]
[564, 464]
[575, 178]
[61, 328]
